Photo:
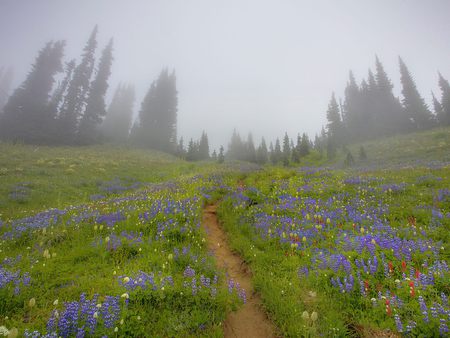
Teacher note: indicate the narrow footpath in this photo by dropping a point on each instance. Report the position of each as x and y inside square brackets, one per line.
[250, 321]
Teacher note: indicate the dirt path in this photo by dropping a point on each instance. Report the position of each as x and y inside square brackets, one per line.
[250, 320]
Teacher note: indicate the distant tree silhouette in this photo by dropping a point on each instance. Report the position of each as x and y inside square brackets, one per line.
[88, 132]
[6, 77]
[203, 147]
[221, 156]
[416, 109]
[276, 155]
[27, 116]
[334, 125]
[304, 146]
[75, 99]
[286, 155]
[445, 100]
[262, 155]
[157, 127]
[250, 151]
[362, 154]
[117, 123]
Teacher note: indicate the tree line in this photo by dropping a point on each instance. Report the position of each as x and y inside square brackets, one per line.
[370, 109]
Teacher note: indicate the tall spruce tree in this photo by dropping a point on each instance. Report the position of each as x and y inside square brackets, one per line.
[117, 123]
[88, 131]
[276, 155]
[304, 145]
[414, 104]
[236, 148]
[250, 150]
[6, 78]
[26, 115]
[334, 126]
[286, 150]
[203, 147]
[158, 114]
[75, 99]
[445, 100]
[438, 111]
[261, 153]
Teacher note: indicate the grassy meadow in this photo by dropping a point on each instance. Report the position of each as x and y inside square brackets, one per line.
[102, 241]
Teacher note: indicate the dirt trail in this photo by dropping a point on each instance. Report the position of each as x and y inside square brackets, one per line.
[250, 320]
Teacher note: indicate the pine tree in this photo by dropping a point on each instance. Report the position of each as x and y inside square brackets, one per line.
[192, 151]
[221, 156]
[438, 111]
[262, 155]
[445, 100]
[158, 114]
[334, 126]
[250, 151]
[75, 99]
[203, 147]
[181, 152]
[391, 118]
[26, 115]
[276, 154]
[304, 145]
[95, 107]
[117, 123]
[353, 110]
[214, 155]
[349, 160]
[362, 154]
[414, 104]
[6, 78]
[236, 148]
[286, 156]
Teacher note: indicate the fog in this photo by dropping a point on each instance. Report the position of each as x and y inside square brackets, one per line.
[261, 66]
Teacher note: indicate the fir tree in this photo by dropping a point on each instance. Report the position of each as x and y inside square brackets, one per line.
[214, 155]
[75, 99]
[262, 155]
[250, 151]
[276, 155]
[414, 104]
[158, 114]
[445, 100]
[192, 151]
[181, 152]
[26, 115]
[236, 148]
[304, 145]
[349, 160]
[438, 111]
[362, 154]
[6, 78]
[334, 125]
[221, 156]
[286, 150]
[203, 147]
[117, 123]
[96, 108]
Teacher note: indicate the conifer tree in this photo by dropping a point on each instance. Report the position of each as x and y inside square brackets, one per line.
[214, 155]
[95, 106]
[276, 154]
[26, 115]
[445, 100]
[334, 126]
[6, 78]
[75, 99]
[192, 153]
[414, 104]
[221, 156]
[236, 148]
[262, 155]
[117, 123]
[203, 147]
[286, 150]
[362, 154]
[438, 111]
[181, 152]
[250, 151]
[158, 114]
[304, 145]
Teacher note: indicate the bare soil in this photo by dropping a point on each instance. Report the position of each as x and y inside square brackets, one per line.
[250, 321]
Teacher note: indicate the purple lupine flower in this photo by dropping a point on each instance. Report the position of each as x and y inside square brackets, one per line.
[189, 272]
[398, 323]
[423, 309]
[443, 327]
[230, 285]
[194, 286]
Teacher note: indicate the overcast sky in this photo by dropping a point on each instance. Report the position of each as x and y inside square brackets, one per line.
[266, 66]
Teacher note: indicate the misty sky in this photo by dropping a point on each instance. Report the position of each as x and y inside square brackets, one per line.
[257, 65]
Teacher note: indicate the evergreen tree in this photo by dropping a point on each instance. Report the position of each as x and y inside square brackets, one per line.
[353, 110]
[286, 150]
[304, 145]
[296, 150]
[391, 117]
[236, 148]
[117, 123]
[445, 100]
[250, 151]
[158, 114]
[414, 104]
[362, 154]
[75, 99]
[6, 78]
[349, 160]
[203, 147]
[181, 152]
[276, 154]
[221, 156]
[438, 111]
[26, 115]
[214, 155]
[96, 108]
[262, 155]
[192, 151]
[334, 126]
